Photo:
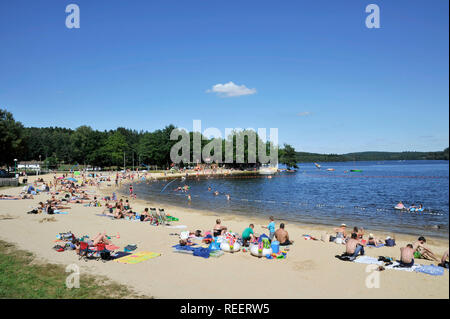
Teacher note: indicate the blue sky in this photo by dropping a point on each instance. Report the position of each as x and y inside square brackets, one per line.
[328, 83]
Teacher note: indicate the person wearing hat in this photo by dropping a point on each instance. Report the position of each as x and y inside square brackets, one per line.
[184, 239]
[340, 233]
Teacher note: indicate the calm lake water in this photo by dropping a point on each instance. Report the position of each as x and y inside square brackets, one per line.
[318, 196]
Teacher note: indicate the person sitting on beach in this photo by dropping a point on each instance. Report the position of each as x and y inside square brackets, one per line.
[270, 227]
[340, 233]
[359, 232]
[282, 236]
[354, 247]
[109, 210]
[248, 235]
[99, 239]
[146, 216]
[407, 256]
[444, 262]
[218, 229]
[420, 251]
[127, 206]
[119, 213]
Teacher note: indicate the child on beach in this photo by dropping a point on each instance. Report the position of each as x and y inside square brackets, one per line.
[218, 228]
[248, 235]
[270, 227]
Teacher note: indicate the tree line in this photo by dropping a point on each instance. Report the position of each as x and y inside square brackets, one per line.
[106, 149]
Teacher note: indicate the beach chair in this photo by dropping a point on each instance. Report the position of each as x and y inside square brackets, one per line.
[164, 219]
[92, 253]
[155, 215]
[85, 253]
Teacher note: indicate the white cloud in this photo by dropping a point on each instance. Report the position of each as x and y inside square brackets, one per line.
[304, 114]
[231, 90]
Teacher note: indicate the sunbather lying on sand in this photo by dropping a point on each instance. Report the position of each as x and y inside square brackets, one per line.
[373, 241]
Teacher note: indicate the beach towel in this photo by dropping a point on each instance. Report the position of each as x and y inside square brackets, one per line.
[202, 252]
[373, 246]
[119, 254]
[396, 266]
[368, 260]
[196, 251]
[431, 270]
[137, 257]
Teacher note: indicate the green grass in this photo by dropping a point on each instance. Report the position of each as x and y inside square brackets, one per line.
[21, 277]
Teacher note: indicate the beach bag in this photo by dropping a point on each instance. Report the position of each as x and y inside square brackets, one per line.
[105, 255]
[390, 242]
[332, 238]
[214, 246]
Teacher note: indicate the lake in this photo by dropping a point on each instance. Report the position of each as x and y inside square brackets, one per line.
[317, 196]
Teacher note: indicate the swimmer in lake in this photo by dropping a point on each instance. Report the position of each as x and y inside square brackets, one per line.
[399, 205]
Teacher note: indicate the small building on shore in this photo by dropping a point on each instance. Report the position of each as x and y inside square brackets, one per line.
[29, 166]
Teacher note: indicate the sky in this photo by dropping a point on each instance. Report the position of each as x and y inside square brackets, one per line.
[312, 69]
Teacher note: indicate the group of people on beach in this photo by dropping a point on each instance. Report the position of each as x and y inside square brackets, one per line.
[249, 236]
[355, 244]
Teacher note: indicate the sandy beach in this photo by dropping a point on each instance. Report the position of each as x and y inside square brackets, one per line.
[309, 271]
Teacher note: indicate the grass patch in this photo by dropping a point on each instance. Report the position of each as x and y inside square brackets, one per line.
[21, 277]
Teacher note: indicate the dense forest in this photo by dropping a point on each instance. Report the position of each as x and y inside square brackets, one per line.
[372, 156]
[113, 148]
[86, 146]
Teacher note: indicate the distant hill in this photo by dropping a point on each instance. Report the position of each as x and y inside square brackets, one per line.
[304, 157]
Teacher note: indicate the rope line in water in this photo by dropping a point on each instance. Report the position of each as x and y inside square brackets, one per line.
[305, 204]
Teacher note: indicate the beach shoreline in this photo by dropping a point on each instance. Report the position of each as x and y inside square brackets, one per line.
[309, 271]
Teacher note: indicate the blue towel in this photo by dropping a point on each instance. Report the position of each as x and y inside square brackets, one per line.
[431, 270]
[379, 245]
[198, 251]
[202, 252]
[179, 247]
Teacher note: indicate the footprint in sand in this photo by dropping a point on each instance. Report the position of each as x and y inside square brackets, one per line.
[304, 265]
